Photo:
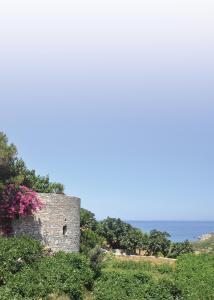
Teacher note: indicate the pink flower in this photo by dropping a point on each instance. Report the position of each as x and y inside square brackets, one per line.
[19, 200]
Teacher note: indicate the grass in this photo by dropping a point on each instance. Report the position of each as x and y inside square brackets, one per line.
[55, 297]
[157, 267]
[151, 259]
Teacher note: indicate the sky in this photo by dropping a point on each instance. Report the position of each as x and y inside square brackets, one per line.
[114, 99]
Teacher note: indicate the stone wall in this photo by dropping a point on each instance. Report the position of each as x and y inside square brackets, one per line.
[57, 225]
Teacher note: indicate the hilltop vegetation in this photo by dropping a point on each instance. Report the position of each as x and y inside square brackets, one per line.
[29, 272]
[206, 245]
[14, 171]
[113, 233]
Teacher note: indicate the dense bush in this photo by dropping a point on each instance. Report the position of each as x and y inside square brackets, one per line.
[163, 289]
[134, 285]
[177, 249]
[136, 280]
[121, 286]
[195, 276]
[15, 254]
[91, 242]
[68, 274]
[27, 273]
[90, 239]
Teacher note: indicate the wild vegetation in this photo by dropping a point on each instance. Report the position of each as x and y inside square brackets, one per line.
[14, 171]
[113, 233]
[28, 271]
[206, 245]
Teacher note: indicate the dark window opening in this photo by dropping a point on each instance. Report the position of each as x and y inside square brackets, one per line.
[64, 230]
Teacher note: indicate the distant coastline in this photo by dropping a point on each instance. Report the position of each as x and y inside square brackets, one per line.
[179, 230]
[206, 236]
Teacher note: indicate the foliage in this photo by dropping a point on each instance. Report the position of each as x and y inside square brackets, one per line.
[27, 274]
[113, 230]
[180, 248]
[14, 170]
[163, 289]
[15, 254]
[18, 201]
[120, 286]
[120, 235]
[7, 157]
[38, 183]
[165, 268]
[133, 239]
[87, 220]
[158, 243]
[96, 256]
[206, 245]
[195, 276]
[90, 239]
[62, 274]
[134, 285]
[129, 265]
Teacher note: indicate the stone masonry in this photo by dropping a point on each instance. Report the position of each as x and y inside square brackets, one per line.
[57, 225]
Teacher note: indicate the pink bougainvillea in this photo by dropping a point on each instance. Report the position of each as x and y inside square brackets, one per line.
[18, 201]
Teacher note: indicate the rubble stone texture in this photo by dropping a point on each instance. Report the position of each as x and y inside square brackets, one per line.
[57, 225]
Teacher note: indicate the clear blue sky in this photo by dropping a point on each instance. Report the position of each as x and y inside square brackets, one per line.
[115, 99]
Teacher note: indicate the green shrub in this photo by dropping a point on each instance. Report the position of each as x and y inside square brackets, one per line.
[15, 254]
[63, 274]
[195, 276]
[135, 285]
[180, 248]
[121, 286]
[96, 260]
[164, 268]
[163, 289]
[89, 240]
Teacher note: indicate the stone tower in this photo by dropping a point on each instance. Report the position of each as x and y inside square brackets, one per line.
[57, 225]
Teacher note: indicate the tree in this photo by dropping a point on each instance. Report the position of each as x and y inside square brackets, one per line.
[87, 220]
[114, 230]
[89, 237]
[120, 235]
[158, 242]
[38, 183]
[180, 248]
[14, 170]
[133, 240]
[8, 154]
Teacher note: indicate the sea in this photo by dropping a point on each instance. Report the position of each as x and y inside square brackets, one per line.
[179, 230]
